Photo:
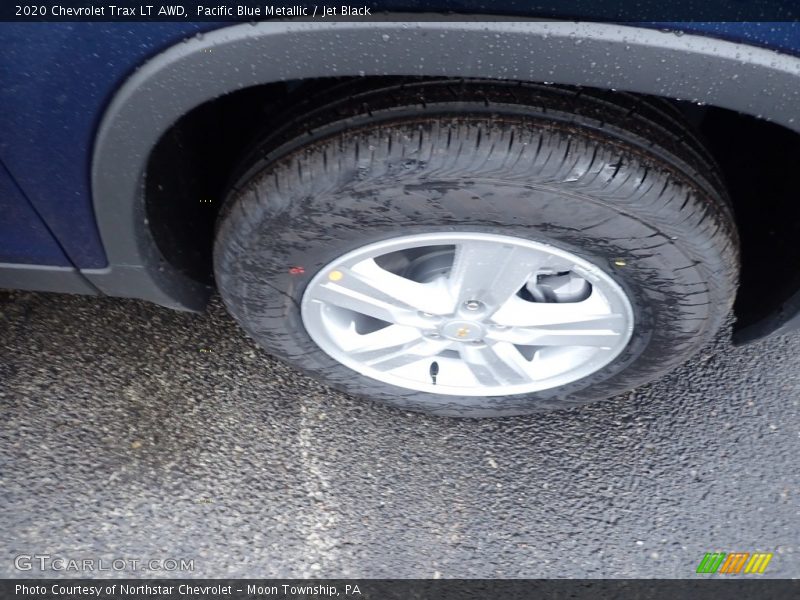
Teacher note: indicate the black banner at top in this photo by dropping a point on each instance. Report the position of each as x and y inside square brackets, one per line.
[259, 10]
[402, 589]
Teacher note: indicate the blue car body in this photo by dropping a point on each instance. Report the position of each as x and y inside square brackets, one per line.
[57, 84]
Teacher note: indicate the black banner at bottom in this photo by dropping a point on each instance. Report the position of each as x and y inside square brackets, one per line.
[400, 589]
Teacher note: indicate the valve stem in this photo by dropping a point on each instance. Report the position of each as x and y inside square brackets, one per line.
[434, 371]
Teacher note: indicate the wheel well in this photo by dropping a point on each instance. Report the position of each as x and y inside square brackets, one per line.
[189, 171]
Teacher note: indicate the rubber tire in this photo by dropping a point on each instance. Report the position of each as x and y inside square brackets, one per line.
[617, 179]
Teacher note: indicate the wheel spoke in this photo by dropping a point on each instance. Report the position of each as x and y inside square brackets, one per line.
[490, 272]
[370, 290]
[496, 364]
[402, 354]
[598, 331]
[378, 341]
[521, 313]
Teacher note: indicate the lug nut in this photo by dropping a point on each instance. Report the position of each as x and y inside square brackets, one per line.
[427, 315]
[473, 305]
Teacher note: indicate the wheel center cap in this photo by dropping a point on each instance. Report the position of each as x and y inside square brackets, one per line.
[463, 331]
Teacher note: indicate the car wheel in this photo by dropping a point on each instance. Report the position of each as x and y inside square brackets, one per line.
[480, 249]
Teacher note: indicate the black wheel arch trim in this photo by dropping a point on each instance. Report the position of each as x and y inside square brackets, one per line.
[747, 79]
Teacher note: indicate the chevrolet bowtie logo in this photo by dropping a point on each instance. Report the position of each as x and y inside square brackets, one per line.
[462, 332]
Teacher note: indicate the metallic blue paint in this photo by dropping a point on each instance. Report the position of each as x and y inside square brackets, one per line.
[24, 239]
[56, 80]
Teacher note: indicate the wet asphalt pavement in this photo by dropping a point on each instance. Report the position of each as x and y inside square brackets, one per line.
[130, 431]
